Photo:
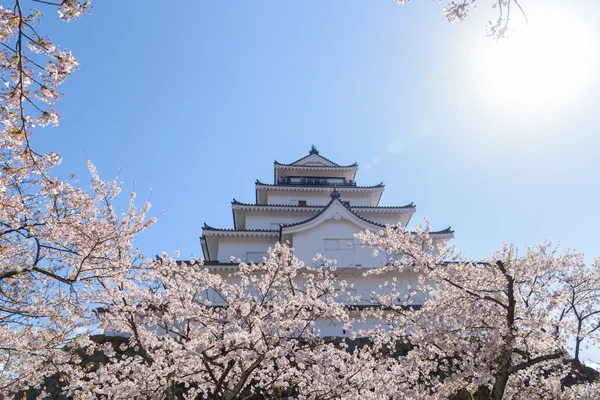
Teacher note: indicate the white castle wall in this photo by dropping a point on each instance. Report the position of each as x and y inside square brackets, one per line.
[318, 198]
[309, 242]
[362, 286]
[383, 218]
[238, 247]
[264, 219]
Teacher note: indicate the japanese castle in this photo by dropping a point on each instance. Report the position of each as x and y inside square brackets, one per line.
[316, 206]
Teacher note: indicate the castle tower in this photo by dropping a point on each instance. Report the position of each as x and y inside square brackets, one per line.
[315, 205]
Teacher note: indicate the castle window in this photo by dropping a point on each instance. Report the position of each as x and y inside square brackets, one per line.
[255, 257]
[338, 244]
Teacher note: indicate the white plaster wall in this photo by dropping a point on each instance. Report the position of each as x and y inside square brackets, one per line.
[358, 285]
[356, 199]
[384, 218]
[362, 286]
[317, 198]
[263, 219]
[238, 246]
[312, 198]
[310, 242]
[327, 174]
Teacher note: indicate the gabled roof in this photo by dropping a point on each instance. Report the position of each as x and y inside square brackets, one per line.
[326, 163]
[314, 165]
[334, 210]
[314, 156]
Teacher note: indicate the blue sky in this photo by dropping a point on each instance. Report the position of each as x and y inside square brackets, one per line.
[196, 101]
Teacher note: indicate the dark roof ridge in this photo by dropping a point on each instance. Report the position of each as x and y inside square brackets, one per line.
[310, 154]
[239, 203]
[210, 228]
[440, 232]
[293, 164]
[324, 186]
[447, 230]
[314, 151]
[217, 262]
[409, 205]
[235, 202]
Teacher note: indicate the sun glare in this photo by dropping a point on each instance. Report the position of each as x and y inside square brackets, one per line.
[542, 66]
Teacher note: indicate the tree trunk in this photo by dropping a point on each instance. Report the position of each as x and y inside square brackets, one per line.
[578, 339]
[504, 362]
[502, 370]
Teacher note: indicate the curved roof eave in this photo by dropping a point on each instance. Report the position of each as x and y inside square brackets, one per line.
[446, 231]
[363, 221]
[207, 227]
[380, 185]
[311, 207]
[278, 164]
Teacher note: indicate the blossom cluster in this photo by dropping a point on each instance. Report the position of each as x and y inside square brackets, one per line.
[497, 327]
[57, 239]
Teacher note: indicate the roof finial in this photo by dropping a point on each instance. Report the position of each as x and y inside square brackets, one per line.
[313, 150]
[335, 194]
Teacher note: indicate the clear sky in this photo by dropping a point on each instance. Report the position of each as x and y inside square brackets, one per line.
[196, 100]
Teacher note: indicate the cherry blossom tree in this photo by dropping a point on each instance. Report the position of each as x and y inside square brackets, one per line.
[582, 307]
[57, 240]
[456, 11]
[194, 333]
[499, 326]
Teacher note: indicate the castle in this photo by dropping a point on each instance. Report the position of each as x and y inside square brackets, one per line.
[316, 206]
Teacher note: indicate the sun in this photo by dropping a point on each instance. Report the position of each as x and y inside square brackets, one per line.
[543, 65]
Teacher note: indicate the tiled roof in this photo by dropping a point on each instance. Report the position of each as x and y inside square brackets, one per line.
[217, 262]
[410, 205]
[210, 228]
[314, 151]
[323, 186]
[206, 262]
[292, 164]
[447, 230]
[239, 203]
